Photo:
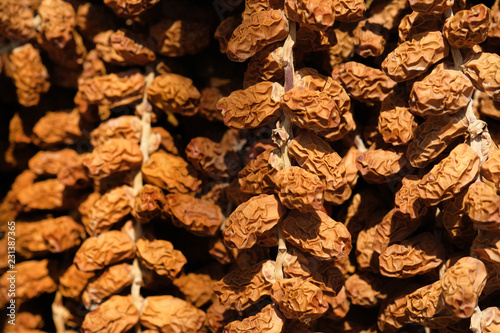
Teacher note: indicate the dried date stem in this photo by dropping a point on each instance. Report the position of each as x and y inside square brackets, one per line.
[284, 130]
[145, 110]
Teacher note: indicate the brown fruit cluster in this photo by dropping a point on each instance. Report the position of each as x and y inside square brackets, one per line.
[250, 166]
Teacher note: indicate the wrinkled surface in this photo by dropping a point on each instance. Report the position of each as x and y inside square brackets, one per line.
[29, 74]
[364, 83]
[180, 37]
[450, 176]
[265, 65]
[416, 22]
[124, 48]
[467, 27]
[490, 320]
[414, 57]
[316, 103]
[442, 91]
[213, 159]
[484, 71]
[148, 203]
[57, 21]
[318, 234]
[48, 194]
[299, 299]
[106, 249]
[349, 10]
[462, 284]
[198, 216]
[267, 320]
[313, 14]
[261, 28]
[482, 205]
[111, 281]
[415, 256]
[197, 288]
[129, 8]
[365, 290]
[118, 314]
[431, 6]
[381, 165]
[490, 169]
[73, 281]
[174, 93]
[257, 176]
[124, 127]
[109, 90]
[33, 279]
[115, 155]
[55, 235]
[108, 210]
[252, 107]
[251, 220]
[407, 200]
[486, 247]
[160, 256]
[168, 314]
[171, 173]
[396, 123]
[433, 136]
[299, 189]
[243, 287]
[57, 128]
[425, 303]
[315, 155]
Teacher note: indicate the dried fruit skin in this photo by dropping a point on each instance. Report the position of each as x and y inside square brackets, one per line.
[265, 65]
[417, 255]
[108, 210]
[33, 279]
[198, 216]
[171, 173]
[225, 30]
[174, 93]
[180, 37]
[431, 6]
[129, 8]
[213, 159]
[349, 10]
[30, 76]
[54, 235]
[257, 177]
[57, 128]
[57, 21]
[16, 20]
[318, 234]
[299, 299]
[433, 136]
[73, 281]
[312, 14]
[415, 22]
[381, 165]
[490, 169]
[317, 107]
[442, 91]
[450, 176]
[170, 314]
[160, 256]
[197, 288]
[462, 284]
[467, 27]
[490, 320]
[365, 290]
[484, 71]
[407, 200]
[486, 247]
[414, 57]
[117, 314]
[482, 204]
[267, 320]
[250, 220]
[423, 305]
[115, 155]
[47, 194]
[260, 29]
[367, 84]
[299, 189]
[124, 48]
[106, 249]
[252, 107]
[241, 288]
[316, 156]
[148, 203]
